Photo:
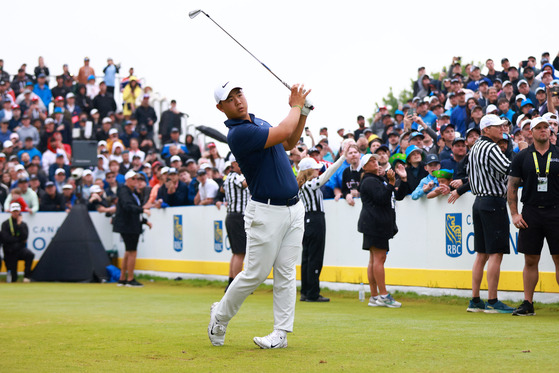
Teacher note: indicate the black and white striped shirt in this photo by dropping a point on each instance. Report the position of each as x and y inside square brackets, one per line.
[236, 196]
[487, 169]
[310, 192]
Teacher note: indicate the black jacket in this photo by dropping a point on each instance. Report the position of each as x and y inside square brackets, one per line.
[128, 217]
[13, 242]
[47, 203]
[378, 217]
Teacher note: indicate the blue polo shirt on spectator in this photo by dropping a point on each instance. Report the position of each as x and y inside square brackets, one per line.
[44, 93]
[458, 118]
[429, 118]
[267, 171]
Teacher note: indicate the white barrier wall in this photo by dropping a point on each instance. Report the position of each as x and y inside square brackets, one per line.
[434, 246]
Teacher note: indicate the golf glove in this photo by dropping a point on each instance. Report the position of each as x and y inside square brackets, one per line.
[307, 107]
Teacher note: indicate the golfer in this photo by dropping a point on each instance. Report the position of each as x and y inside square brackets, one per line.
[273, 217]
[377, 222]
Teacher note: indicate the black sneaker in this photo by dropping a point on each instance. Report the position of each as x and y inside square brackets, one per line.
[303, 298]
[121, 283]
[525, 309]
[134, 284]
[319, 299]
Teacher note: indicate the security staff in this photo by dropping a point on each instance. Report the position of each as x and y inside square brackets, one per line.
[274, 215]
[537, 167]
[487, 173]
[237, 195]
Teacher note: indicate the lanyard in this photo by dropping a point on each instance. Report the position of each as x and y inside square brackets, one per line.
[538, 166]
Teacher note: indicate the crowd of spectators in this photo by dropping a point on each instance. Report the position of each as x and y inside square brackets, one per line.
[433, 131]
[42, 115]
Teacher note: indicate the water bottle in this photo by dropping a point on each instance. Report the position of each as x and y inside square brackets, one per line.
[362, 293]
[9, 277]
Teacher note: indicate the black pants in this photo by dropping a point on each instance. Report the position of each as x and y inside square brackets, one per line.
[130, 241]
[11, 259]
[314, 241]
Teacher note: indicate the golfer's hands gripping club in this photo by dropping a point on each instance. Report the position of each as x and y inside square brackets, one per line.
[298, 96]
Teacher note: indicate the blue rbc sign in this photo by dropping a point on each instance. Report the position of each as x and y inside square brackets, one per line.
[177, 233]
[453, 232]
[218, 236]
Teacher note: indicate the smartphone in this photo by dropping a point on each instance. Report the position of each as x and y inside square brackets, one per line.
[412, 112]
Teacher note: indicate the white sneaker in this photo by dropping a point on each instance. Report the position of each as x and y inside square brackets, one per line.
[373, 301]
[276, 339]
[388, 301]
[216, 330]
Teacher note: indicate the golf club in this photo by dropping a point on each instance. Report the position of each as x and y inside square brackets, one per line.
[195, 13]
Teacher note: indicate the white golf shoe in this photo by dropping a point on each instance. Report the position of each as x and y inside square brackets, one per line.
[276, 339]
[216, 330]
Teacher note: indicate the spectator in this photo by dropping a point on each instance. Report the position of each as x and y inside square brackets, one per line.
[52, 200]
[174, 192]
[82, 99]
[351, 176]
[85, 72]
[59, 163]
[443, 178]
[207, 188]
[104, 101]
[458, 116]
[429, 182]
[170, 119]
[110, 76]
[91, 89]
[29, 148]
[128, 134]
[59, 91]
[193, 150]
[96, 201]
[458, 153]
[415, 169]
[131, 92]
[14, 235]
[145, 114]
[361, 126]
[29, 196]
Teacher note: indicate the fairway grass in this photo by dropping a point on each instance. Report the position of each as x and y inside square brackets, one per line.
[59, 327]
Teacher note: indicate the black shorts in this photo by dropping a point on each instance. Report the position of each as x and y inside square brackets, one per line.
[235, 225]
[491, 225]
[377, 242]
[542, 223]
[130, 241]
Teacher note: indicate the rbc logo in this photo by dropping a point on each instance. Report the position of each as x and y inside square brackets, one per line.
[177, 233]
[453, 231]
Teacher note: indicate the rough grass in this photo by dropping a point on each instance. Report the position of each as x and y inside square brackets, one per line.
[57, 327]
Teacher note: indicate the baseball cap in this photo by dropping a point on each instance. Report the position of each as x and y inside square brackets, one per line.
[410, 149]
[67, 186]
[416, 134]
[537, 121]
[431, 158]
[550, 117]
[458, 139]
[14, 206]
[173, 170]
[7, 144]
[211, 145]
[506, 83]
[106, 120]
[59, 98]
[201, 171]
[309, 163]
[381, 148]
[205, 165]
[445, 126]
[222, 91]
[398, 157]
[444, 173]
[164, 170]
[313, 150]
[473, 129]
[112, 131]
[48, 184]
[491, 120]
[175, 158]
[102, 143]
[60, 171]
[491, 108]
[87, 172]
[70, 95]
[522, 81]
[95, 189]
[366, 158]
[526, 102]
[540, 89]
[520, 96]
[130, 174]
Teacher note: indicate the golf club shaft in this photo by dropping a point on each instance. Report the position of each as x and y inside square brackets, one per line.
[253, 56]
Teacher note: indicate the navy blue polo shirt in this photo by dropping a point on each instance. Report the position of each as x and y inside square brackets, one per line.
[267, 171]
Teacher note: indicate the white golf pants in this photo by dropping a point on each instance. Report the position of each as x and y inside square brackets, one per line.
[274, 240]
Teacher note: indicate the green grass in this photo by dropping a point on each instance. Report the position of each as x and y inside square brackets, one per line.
[57, 327]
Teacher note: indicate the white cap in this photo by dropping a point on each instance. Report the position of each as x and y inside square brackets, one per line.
[49, 120]
[93, 111]
[490, 108]
[95, 189]
[102, 142]
[537, 121]
[222, 91]
[203, 166]
[322, 138]
[69, 95]
[14, 206]
[175, 158]
[232, 158]
[87, 172]
[520, 96]
[550, 117]
[19, 167]
[491, 120]
[309, 163]
[106, 120]
[14, 136]
[506, 82]
[226, 165]
[59, 171]
[519, 119]
[7, 144]
[164, 170]
[113, 131]
[67, 186]
[542, 89]
[129, 174]
[173, 170]
[522, 81]
[366, 158]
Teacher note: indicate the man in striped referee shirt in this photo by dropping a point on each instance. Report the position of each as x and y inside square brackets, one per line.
[237, 195]
[487, 172]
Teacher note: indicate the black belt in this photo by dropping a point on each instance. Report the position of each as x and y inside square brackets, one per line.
[277, 202]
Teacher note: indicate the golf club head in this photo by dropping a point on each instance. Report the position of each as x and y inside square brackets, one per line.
[194, 13]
